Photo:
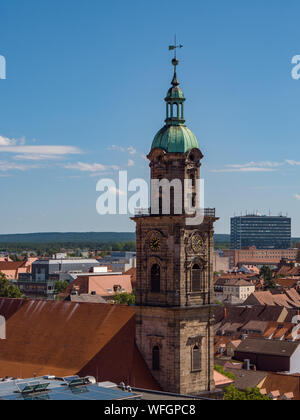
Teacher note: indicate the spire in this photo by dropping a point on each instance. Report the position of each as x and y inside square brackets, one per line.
[175, 63]
[175, 98]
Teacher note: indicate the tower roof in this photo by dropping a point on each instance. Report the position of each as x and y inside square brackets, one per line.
[175, 93]
[175, 137]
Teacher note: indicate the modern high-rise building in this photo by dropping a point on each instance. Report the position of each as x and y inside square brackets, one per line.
[263, 232]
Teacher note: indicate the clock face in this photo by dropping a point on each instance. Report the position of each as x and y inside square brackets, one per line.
[155, 244]
[197, 243]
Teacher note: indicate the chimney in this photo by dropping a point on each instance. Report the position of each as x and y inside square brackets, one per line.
[225, 312]
[247, 364]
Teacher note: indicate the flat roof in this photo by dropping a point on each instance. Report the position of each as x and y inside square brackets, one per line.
[59, 390]
[67, 261]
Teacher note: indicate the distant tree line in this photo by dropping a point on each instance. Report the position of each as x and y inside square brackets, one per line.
[48, 249]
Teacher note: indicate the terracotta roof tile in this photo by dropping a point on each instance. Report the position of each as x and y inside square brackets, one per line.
[285, 384]
[11, 265]
[62, 338]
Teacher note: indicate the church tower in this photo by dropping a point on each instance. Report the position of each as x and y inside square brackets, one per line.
[174, 327]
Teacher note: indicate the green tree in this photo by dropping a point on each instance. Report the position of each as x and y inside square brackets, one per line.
[8, 290]
[218, 302]
[267, 275]
[233, 394]
[124, 299]
[14, 258]
[60, 286]
[221, 370]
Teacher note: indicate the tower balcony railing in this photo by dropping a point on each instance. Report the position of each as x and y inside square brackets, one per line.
[208, 212]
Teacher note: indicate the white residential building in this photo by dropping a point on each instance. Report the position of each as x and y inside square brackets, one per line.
[239, 289]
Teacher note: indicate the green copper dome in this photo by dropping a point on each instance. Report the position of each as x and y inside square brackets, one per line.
[175, 139]
[175, 93]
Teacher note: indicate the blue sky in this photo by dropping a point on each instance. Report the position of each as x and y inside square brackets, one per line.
[84, 95]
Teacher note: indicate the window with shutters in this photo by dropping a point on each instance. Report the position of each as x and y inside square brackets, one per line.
[196, 358]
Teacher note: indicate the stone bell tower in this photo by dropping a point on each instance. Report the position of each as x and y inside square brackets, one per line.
[175, 263]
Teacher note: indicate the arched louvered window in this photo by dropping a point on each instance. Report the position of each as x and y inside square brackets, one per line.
[155, 358]
[155, 278]
[196, 278]
[196, 359]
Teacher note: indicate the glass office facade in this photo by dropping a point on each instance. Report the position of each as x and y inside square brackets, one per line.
[263, 232]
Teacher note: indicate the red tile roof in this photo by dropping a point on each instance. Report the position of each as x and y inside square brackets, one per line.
[285, 384]
[286, 283]
[287, 270]
[63, 338]
[288, 299]
[11, 265]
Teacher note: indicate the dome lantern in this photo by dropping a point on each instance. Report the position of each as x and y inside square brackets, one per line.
[175, 137]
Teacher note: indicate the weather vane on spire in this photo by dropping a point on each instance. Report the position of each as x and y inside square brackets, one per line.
[175, 47]
[175, 61]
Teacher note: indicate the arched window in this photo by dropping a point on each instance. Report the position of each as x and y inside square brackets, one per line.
[155, 358]
[196, 278]
[196, 359]
[155, 278]
[194, 196]
[175, 113]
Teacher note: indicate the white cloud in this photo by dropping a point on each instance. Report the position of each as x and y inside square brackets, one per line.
[4, 141]
[264, 166]
[117, 148]
[131, 150]
[42, 150]
[131, 163]
[89, 167]
[297, 196]
[10, 166]
[244, 169]
[293, 162]
[24, 152]
[36, 157]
